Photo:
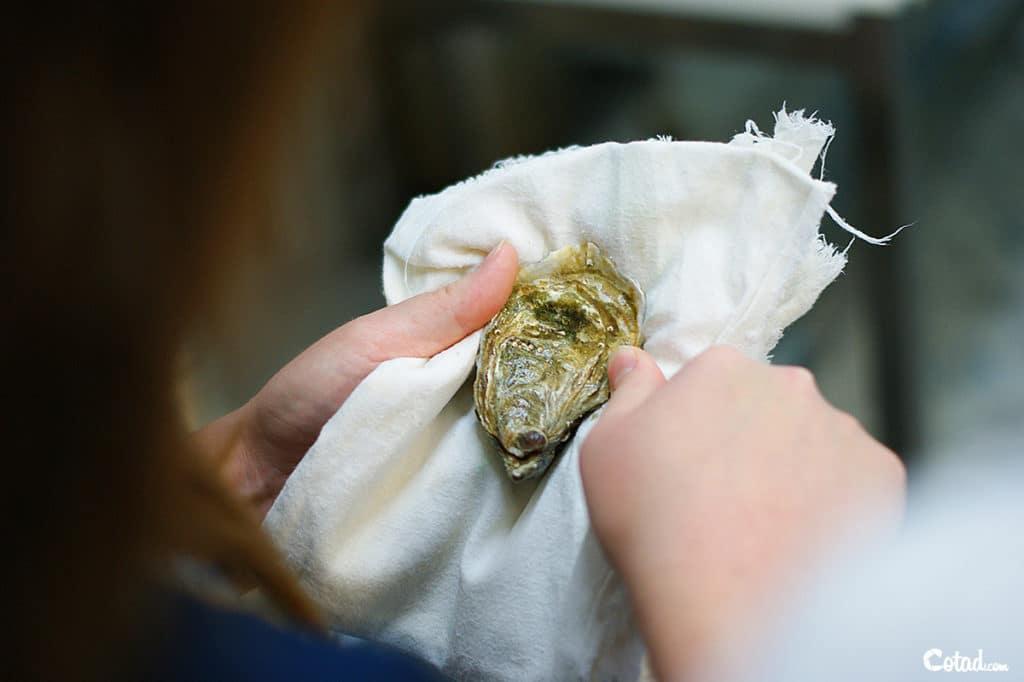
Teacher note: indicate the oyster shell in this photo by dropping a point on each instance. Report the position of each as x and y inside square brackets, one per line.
[543, 360]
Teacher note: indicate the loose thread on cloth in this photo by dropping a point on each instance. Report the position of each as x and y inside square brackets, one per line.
[754, 134]
[798, 118]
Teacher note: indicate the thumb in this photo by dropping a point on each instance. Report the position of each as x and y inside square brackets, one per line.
[424, 325]
[303, 395]
[633, 376]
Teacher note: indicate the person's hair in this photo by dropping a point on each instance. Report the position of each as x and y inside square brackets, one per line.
[141, 141]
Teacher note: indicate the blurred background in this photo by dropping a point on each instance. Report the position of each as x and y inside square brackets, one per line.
[923, 340]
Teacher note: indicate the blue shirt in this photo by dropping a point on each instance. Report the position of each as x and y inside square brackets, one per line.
[203, 642]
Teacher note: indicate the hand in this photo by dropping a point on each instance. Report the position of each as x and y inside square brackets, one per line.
[266, 438]
[714, 490]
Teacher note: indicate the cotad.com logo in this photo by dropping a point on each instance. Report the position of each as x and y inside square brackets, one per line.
[934, 660]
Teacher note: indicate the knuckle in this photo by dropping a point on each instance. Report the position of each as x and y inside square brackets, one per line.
[448, 295]
[450, 303]
[897, 467]
[799, 378]
[889, 464]
[850, 423]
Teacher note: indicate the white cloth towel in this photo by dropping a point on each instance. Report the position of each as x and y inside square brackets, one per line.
[400, 519]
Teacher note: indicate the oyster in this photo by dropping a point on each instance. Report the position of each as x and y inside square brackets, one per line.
[543, 360]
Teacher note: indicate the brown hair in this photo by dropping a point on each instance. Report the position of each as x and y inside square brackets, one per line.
[141, 145]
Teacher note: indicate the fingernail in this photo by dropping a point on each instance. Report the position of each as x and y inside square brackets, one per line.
[494, 251]
[622, 362]
[488, 258]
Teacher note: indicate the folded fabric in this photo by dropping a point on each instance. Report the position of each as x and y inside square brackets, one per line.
[400, 519]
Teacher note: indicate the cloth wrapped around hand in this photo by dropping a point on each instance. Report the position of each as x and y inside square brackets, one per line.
[400, 519]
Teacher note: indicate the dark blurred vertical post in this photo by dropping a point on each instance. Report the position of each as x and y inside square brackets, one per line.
[872, 70]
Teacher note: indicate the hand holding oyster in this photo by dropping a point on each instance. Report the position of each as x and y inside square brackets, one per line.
[543, 360]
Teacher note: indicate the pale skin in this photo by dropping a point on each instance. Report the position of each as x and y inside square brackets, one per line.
[715, 491]
[709, 492]
[265, 438]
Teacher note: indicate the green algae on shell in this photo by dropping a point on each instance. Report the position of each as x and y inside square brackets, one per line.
[543, 360]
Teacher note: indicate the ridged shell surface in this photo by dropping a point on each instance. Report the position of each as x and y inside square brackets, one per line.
[543, 360]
